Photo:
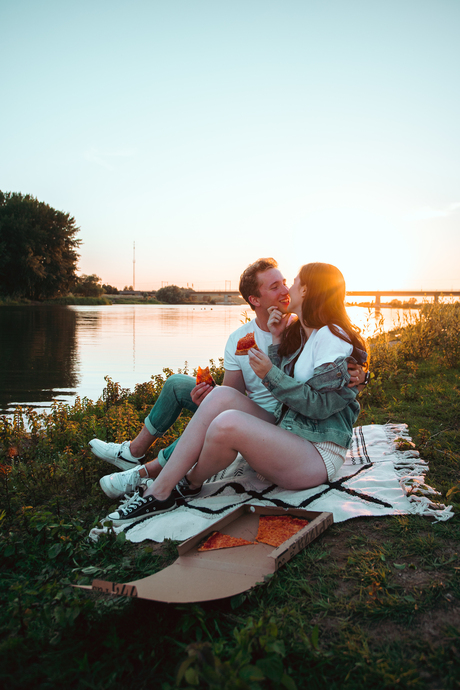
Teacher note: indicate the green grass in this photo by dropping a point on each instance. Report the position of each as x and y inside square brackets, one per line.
[75, 299]
[14, 302]
[68, 299]
[372, 603]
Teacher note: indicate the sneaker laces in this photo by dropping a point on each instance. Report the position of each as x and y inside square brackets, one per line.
[125, 446]
[131, 504]
[134, 479]
[127, 498]
[123, 451]
[183, 487]
[182, 484]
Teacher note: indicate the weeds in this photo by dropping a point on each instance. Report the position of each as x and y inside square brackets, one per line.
[371, 603]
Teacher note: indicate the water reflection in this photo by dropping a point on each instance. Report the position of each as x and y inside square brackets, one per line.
[134, 342]
[37, 354]
[51, 353]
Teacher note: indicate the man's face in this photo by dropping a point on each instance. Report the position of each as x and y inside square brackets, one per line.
[273, 291]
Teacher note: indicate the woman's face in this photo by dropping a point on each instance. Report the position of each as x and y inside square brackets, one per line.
[297, 292]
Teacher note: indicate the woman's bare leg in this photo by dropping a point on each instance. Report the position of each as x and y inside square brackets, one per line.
[190, 445]
[282, 457]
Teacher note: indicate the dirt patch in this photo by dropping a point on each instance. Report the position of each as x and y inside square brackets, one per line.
[430, 627]
[413, 581]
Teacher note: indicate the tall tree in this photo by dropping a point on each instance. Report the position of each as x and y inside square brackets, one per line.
[38, 248]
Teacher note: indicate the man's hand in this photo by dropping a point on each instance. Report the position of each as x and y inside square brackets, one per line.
[259, 362]
[199, 393]
[357, 374]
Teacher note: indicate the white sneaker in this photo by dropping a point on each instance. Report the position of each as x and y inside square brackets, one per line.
[117, 454]
[120, 483]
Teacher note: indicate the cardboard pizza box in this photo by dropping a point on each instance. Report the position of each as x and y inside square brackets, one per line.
[207, 575]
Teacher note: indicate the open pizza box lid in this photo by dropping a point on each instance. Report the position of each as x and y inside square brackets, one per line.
[207, 575]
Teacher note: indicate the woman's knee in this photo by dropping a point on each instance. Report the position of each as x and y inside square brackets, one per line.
[222, 396]
[224, 426]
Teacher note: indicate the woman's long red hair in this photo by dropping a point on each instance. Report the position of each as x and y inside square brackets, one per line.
[323, 305]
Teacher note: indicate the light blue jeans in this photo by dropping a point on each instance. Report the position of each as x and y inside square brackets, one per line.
[174, 396]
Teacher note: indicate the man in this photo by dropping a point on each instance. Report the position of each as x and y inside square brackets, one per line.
[262, 285]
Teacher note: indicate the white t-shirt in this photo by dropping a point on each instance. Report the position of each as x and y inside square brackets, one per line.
[254, 387]
[321, 347]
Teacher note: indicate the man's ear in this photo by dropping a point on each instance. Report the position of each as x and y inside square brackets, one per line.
[252, 299]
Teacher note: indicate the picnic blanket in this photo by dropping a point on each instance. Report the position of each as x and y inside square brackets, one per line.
[382, 475]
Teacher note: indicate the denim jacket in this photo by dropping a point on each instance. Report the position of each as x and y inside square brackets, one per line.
[321, 409]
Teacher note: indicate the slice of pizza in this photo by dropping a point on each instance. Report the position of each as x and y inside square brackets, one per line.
[276, 529]
[245, 344]
[217, 540]
[204, 376]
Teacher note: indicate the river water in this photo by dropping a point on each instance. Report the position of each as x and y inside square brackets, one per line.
[56, 353]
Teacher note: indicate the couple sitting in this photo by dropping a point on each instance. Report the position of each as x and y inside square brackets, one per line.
[288, 407]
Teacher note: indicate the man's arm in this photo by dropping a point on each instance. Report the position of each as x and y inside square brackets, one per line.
[235, 380]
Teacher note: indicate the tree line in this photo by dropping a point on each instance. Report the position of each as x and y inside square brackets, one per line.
[39, 254]
[38, 248]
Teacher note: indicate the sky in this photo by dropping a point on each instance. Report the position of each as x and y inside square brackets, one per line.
[211, 133]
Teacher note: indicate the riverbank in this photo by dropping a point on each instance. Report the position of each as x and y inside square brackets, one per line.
[94, 301]
[64, 301]
[372, 603]
[121, 299]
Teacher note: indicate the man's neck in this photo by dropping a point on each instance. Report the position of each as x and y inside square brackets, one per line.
[262, 319]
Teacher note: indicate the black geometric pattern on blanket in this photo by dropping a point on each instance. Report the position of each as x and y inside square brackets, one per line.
[355, 452]
[377, 478]
[262, 495]
[358, 456]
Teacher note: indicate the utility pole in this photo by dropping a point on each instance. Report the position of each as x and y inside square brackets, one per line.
[134, 265]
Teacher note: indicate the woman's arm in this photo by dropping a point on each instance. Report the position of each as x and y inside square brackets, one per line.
[277, 322]
[325, 394]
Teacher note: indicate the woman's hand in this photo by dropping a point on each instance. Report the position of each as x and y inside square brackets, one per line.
[259, 362]
[277, 322]
[357, 374]
[199, 393]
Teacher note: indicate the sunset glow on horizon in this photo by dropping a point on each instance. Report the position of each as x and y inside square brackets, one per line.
[211, 134]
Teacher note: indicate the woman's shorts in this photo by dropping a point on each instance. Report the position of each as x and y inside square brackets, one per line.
[333, 457]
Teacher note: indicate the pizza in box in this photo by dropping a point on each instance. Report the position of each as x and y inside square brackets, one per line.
[276, 529]
[217, 540]
[273, 530]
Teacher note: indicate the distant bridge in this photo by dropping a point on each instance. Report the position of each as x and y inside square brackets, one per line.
[233, 296]
[225, 296]
[403, 293]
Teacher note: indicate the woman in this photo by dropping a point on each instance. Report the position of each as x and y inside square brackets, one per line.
[301, 445]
